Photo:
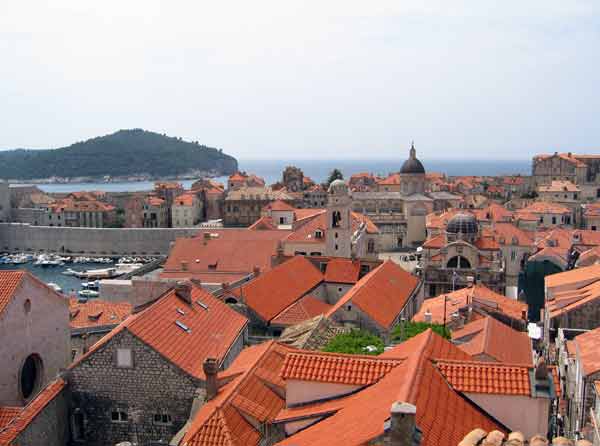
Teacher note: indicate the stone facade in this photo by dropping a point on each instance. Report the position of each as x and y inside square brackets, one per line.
[244, 205]
[105, 241]
[153, 386]
[35, 327]
[579, 169]
[4, 202]
[293, 179]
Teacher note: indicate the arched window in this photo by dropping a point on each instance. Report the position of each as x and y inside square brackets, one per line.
[459, 262]
[31, 375]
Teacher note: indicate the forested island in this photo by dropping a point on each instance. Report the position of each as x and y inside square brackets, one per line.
[134, 153]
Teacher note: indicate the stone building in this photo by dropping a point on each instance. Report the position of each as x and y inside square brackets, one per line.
[562, 192]
[34, 325]
[293, 179]
[463, 255]
[399, 205]
[138, 383]
[80, 212]
[590, 216]
[243, 205]
[186, 210]
[168, 191]
[89, 321]
[578, 169]
[155, 212]
[242, 179]
[315, 196]
[212, 196]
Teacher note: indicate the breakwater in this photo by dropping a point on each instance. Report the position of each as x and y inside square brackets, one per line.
[20, 237]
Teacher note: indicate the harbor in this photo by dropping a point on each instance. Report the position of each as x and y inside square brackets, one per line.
[73, 276]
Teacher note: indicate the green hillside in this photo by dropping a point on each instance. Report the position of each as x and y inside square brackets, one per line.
[124, 153]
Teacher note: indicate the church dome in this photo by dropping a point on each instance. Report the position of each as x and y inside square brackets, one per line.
[412, 164]
[338, 187]
[462, 224]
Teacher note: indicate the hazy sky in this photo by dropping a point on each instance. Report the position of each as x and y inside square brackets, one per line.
[306, 79]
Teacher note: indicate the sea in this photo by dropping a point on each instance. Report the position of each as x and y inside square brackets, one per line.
[53, 274]
[318, 171]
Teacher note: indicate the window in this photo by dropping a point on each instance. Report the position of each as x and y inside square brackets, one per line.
[513, 255]
[593, 228]
[162, 418]
[27, 306]
[553, 220]
[339, 289]
[31, 375]
[281, 220]
[73, 354]
[336, 247]
[349, 308]
[371, 246]
[318, 234]
[124, 357]
[118, 416]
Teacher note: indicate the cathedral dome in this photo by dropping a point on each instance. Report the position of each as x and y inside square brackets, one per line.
[412, 164]
[338, 187]
[462, 224]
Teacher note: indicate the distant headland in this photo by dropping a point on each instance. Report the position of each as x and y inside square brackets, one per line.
[126, 155]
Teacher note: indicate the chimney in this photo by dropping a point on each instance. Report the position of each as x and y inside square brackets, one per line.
[183, 290]
[470, 281]
[428, 316]
[256, 270]
[184, 265]
[206, 237]
[524, 315]
[402, 424]
[211, 367]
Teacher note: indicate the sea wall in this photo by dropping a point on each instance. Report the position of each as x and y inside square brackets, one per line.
[18, 237]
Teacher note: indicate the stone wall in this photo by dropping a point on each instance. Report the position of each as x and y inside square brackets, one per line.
[50, 427]
[35, 322]
[89, 241]
[153, 385]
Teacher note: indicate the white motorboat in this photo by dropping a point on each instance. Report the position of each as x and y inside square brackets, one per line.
[89, 293]
[55, 287]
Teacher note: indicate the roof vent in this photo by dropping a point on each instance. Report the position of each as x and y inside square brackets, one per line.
[95, 316]
[180, 311]
[183, 326]
[428, 316]
[202, 304]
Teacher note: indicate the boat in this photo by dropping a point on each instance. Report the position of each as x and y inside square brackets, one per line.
[105, 273]
[55, 287]
[91, 285]
[88, 293]
[70, 272]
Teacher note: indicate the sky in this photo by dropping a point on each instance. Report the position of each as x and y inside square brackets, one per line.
[306, 79]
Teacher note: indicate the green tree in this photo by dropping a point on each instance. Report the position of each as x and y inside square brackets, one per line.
[356, 342]
[335, 174]
[407, 330]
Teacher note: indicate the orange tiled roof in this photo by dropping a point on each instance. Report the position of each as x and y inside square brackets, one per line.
[390, 180]
[318, 221]
[577, 276]
[211, 332]
[487, 244]
[7, 414]
[443, 415]
[186, 199]
[155, 201]
[490, 337]
[274, 291]
[507, 233]
[559, 186]
[479, 295]
[230, 252]
[279, 205]
[591, 210]
[573, 159]
[493, 212]
[224, 419]
[301, 310]
[436, 242]
[9, 282]
[587, 351]
[26, 415]
[97, 313]
[543, 207]
[381, 294]
[342, 271]
[336, 368]
[486, 377]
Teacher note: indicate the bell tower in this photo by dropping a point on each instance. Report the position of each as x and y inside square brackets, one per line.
[339, 220]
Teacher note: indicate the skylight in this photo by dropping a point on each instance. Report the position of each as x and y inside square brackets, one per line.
[202, 304]
[183, 326]
[180, 311]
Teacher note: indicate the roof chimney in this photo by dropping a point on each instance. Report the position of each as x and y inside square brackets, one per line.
[211, 367]
[183, 290]
[184, 265]
[206, 237]
[538, 440]
[256, 270]
[402, 425]
[428, 316]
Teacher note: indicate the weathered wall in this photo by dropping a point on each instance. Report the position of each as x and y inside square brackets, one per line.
[41, 329]
[152, 385]
[102, 241]
[50, 427]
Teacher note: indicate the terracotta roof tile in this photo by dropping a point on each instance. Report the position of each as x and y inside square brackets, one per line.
[20, 422]
[490, 337]
[9, 282]
[210, 332]
[486, 377]
[587, 351]
[442, 414]
[97, 312]
[301, 310]
[186, 199]
[381, 294]
[342, 271]
[279, 205]
[559, 186]
[508, 233]
[274, 291]
[7, 414]
[544, 207]
[479, 295]
[223, 420]
[336, 368]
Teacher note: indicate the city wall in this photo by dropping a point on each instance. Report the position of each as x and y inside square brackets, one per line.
[18, 237]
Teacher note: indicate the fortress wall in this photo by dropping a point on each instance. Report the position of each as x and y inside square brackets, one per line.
[89, 241]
